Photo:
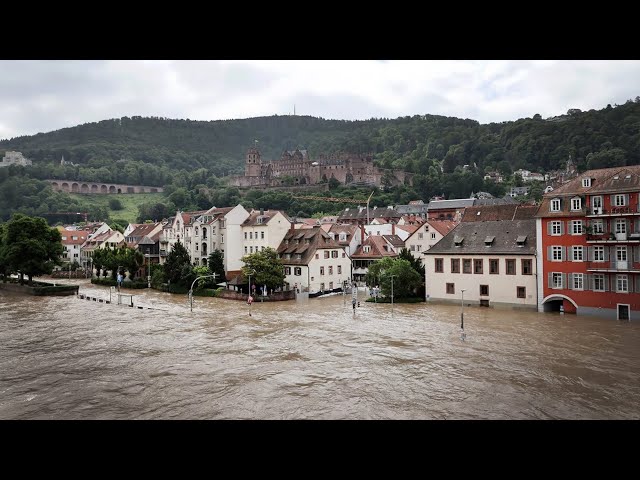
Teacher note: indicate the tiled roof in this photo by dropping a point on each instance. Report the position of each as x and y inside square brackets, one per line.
[603, 180]
[304, 243]
[474, 234]
[377, 250]
[499, 212]
[443, 226]
[266, 216]
[453, 203]
[408, 228]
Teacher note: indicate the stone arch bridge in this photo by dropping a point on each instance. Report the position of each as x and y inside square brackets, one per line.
[73, 186]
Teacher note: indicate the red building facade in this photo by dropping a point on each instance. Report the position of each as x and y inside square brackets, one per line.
[589, 245]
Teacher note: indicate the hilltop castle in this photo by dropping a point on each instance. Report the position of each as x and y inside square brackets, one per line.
[296, 168]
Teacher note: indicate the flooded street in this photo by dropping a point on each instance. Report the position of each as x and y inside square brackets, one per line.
[67, 358]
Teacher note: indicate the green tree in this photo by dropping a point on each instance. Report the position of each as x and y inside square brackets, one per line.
[32, 247]
[416, 263]
[405, 279]
[4, 265]
[267, 266]
[216, 265]
[177, 259]
[115, 204]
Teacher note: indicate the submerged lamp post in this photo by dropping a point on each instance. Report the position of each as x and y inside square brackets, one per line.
[249, 301]
[148, 243]
[462, 334]
[194, 282]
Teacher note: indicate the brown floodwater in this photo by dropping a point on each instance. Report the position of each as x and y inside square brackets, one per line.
[67, 358]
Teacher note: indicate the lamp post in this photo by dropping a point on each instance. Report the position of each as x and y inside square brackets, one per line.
[149, 267]
[462, 334]
[194, 282]
[119, 278]
[249, 299]
[392, 293]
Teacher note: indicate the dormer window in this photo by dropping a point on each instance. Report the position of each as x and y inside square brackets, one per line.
[576, 204]
[366, 249]
[488, 241]
[555, 205]
[457, 240]
[586, 182]
[343, 237]
[521, 240]
[260, 220]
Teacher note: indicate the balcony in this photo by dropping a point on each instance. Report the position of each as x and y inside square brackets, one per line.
[599, 212]
[613, 238]
[614, 266]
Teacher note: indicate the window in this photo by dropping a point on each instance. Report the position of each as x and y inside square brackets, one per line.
[297, 271]
[245, 250]
[251, 249]
[526, 267]
[477, 266]
[287, 270]
[555, 205]
[366, 249]
[596, 203]
[334, 253]
[578, 281]
[317, 256]
[196, 247]
[598, 283]
[439, 265]
[221, 238]
[412, 248]
[261, 235]
[556, 280]
[577, 253]
[511, 266]
[326, 254]
[455, 265]
[420, 236]
[321, 270]
[586, 182]
[494, 267]
[330, 285]
[576, 227]
[418, 247]
[466, 266]
[343, 237]
[339, 269]
[621, 225]
[73, 237]
[556, 254]
[451, 289]
[322, 287]
[598, 254]
[597, 226]
[619, 200]
[622, 284]
[621, 254]
[433, 236]
[484, 290]
[521, 292]
[556, 228]
[330, 270]
[344, 254]
[576, 204]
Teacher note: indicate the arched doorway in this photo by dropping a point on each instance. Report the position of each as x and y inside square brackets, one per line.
[554, 302]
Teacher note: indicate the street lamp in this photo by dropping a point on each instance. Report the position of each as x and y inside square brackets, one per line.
[249, 299]
[392, 293]
[191, 289]
[462, 334]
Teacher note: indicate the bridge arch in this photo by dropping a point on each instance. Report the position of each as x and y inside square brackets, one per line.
[103, 189]
[74, 187]
[65, 187]
[84, 188]
[112, 189]
[94, 188]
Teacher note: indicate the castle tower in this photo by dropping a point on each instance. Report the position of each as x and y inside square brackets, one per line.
[253, 163]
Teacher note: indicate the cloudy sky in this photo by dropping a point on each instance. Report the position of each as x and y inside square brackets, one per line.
[41, 96]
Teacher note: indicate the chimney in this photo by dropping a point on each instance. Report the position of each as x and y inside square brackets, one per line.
[261, 211]
[361, 234]
[393, 228]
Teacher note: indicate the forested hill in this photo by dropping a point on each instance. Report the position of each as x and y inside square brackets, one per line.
[104, 150]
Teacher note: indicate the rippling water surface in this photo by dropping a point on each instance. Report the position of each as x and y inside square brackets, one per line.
[67, 358]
